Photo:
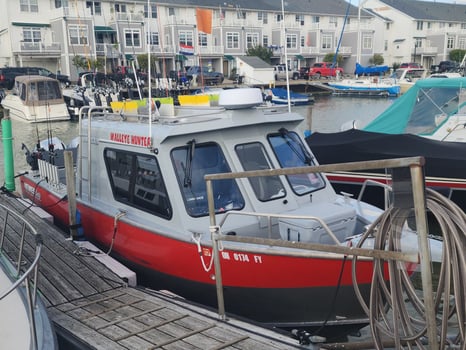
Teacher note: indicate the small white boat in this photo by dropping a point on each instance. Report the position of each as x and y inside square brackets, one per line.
[407, 77]
[280, 96]
[371, 86]
[35, 99]
[24, 323]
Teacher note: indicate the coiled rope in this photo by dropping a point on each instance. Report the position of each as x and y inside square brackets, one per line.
[396, 309]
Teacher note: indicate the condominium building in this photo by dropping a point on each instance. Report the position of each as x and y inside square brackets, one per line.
[56, 34]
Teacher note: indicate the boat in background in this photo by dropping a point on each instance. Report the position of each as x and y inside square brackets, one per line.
[280, 96]
[428, 120]
[24, 322]
[142, 194]
[370, 86]
[35, 99]
[407, 77]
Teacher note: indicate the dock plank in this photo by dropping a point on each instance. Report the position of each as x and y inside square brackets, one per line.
[91, 306]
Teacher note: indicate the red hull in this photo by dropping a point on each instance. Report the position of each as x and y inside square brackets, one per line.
[252, 281]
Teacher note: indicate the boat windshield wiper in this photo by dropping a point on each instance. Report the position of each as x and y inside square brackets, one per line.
[188, 170]
[301, 153]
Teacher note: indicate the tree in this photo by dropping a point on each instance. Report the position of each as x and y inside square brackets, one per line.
[144, 63]
[457, 55]
[377, 59]
[264, 53]
[329, 58]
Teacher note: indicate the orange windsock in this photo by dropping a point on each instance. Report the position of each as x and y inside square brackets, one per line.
[204, 20]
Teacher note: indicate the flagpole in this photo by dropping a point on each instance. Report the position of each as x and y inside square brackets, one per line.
[286, 58]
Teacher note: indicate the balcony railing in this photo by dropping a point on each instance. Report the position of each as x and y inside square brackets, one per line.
[39, 48]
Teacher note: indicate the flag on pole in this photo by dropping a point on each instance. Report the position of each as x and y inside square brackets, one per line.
[204, 20]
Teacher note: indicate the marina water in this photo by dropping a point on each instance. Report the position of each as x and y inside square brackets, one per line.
[327, 114]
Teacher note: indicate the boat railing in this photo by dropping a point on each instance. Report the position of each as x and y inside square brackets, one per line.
[414, 164]
[22, 274]
[281, 216]
[387, 191]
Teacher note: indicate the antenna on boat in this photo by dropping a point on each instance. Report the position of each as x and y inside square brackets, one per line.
[286, 59]
[149, 77]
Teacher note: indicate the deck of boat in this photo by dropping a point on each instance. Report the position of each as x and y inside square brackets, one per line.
[92, 308]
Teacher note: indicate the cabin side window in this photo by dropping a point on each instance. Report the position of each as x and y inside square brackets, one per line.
[136, 180]
[191, 163]
[291, 152]
[254, 157]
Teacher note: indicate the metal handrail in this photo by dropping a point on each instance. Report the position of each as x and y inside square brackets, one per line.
[28, 277]
[415, 165]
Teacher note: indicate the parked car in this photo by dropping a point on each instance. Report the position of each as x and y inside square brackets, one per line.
[410, 65]
[280, 70]
[324, 69]
[8, 75]
[445, 66]
[304, 72]
[204, 75]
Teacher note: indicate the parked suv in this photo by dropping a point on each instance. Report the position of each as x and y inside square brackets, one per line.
[445, 66]
[203, 75]
[280, 70]
[8, 75]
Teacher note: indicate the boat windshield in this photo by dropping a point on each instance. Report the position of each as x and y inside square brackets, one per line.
[253, 156]
[431, 108]
[291, 152]
[191, 163]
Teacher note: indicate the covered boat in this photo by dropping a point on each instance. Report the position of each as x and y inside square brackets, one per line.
[428, 120]
[144, 195]
[35, 98]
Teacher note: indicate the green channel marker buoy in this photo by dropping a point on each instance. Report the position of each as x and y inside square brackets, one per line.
[7, 140]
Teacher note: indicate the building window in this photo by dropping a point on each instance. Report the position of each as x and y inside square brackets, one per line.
[233, 40]
[385, 45]
[185, 37]
[450, 42]
[153, 38]
[326, 42]
[132, 37]
[291, 41]
[463, 25]
[300, 19]
[418, 42]
[429, 25]
[252, 40]
[302, 41]
[95, 7]
[29, 6]
[120, 8]
[367, 42]
[78, 34]
[265, 40]
[262, 16]
[278, 17]
[31, 35]
[462, 43]
[241, 14]
[150, 12]
[387, 26]
[171, 11]
[315, 19]
[420, 25]
[202, 39]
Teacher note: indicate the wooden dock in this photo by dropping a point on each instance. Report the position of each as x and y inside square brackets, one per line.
[93, 308]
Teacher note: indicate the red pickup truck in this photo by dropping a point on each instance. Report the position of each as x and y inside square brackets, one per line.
[324, 69]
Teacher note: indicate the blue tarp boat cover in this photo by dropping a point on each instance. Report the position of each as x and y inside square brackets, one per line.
[370, 70]
[419, 109]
